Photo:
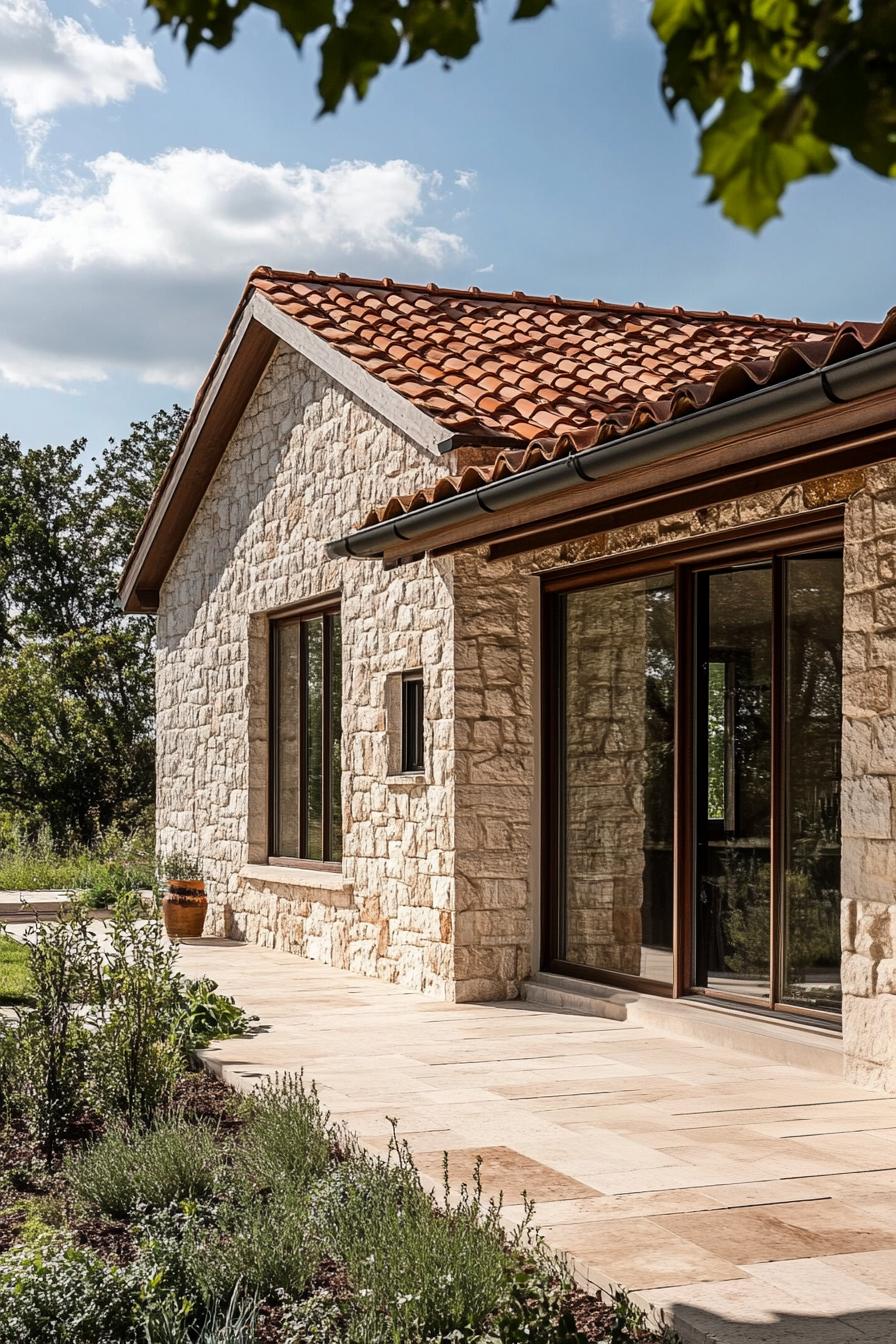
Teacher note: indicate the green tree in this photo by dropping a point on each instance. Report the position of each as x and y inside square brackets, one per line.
[76, 675]
[775, 86]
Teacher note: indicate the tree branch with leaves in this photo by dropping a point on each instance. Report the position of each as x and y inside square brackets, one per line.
[776, 86]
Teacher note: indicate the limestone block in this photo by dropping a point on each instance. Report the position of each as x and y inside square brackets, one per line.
[885, 606]
[869, 1029]
[866, 692]
[886, 976]
[858, 974]
[866, 807]
[874, 929]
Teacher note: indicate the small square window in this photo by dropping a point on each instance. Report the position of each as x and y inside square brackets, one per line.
[412, 723]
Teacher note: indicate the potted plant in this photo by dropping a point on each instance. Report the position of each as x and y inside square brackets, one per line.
[184, 904]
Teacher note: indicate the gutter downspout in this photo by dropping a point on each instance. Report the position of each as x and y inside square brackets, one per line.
[860, 376]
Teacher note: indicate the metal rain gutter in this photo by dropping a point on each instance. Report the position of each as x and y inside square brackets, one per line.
[860, 376]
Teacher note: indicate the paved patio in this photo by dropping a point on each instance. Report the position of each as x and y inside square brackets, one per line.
[752, 1203]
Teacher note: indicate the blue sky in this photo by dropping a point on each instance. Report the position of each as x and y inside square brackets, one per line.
[136, 192]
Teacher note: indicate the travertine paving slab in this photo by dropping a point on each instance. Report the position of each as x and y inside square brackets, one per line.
[752, 1203]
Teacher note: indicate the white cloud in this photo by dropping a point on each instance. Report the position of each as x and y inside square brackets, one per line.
[485, 270]
[135, 266]
[47, 63]
[465, 178]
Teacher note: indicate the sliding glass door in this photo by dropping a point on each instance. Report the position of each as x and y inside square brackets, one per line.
[693, 720]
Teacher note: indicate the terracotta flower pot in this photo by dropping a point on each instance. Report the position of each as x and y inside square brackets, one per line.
[183, 909]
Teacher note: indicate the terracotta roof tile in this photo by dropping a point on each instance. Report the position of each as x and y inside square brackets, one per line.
[736, 379]
[552, 374]
[596, 358]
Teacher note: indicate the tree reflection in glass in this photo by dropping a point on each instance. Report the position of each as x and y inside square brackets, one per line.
[813, 670]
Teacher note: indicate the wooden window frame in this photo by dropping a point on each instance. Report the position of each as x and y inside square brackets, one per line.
[325, 609]
[817, 531]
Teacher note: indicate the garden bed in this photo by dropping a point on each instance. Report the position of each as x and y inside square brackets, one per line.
[142, 1202]
[261, 1210]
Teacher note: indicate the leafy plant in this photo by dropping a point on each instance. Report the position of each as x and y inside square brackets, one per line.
[204, 1015]
[286, 1141]
[154, 1168]
[231, 1322]
[137, 1060]
[9, 1069]
[59, 1294]
[422, 1271]
[52, 1039]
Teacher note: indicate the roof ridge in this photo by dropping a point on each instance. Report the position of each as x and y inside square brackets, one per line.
[555, 300]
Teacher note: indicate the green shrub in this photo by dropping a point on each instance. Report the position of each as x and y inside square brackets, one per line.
[267, 1246]
[421, 1270]
[286, 1140]
[155, 1168]
[59, 1294]
[418, 1271]
[52, 1039]
[137, 1061]
[204, 1015]
[115, 860]
[10, 1092]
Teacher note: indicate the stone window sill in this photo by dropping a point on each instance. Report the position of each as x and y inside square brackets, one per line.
[323, 879]
[409, 777]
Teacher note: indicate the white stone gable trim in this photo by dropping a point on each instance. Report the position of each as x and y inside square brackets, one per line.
[379, 396]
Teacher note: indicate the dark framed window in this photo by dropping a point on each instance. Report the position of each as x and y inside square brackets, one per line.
[412, 723]
[305, 822]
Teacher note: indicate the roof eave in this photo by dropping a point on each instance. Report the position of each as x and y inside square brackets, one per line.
[857, 391]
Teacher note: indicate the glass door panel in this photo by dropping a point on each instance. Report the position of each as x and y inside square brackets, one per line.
[810, 923]
[733, 788]
[616, 733]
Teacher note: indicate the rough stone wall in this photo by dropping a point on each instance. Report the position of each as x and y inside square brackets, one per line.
[495, 764]
[869, 782]
[306, 462]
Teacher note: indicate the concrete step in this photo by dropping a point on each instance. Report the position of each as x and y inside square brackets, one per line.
[791, 1042]
[32, 904]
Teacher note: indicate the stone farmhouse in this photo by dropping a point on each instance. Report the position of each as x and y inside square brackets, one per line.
[519, 645]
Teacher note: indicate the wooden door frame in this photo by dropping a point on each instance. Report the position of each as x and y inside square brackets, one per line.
[818, 530]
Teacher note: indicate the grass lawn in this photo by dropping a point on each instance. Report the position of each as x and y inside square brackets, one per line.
[78, 872]
[15, 980]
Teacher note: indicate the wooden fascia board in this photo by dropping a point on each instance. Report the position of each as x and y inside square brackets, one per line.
[714, 459]
[196, 458]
